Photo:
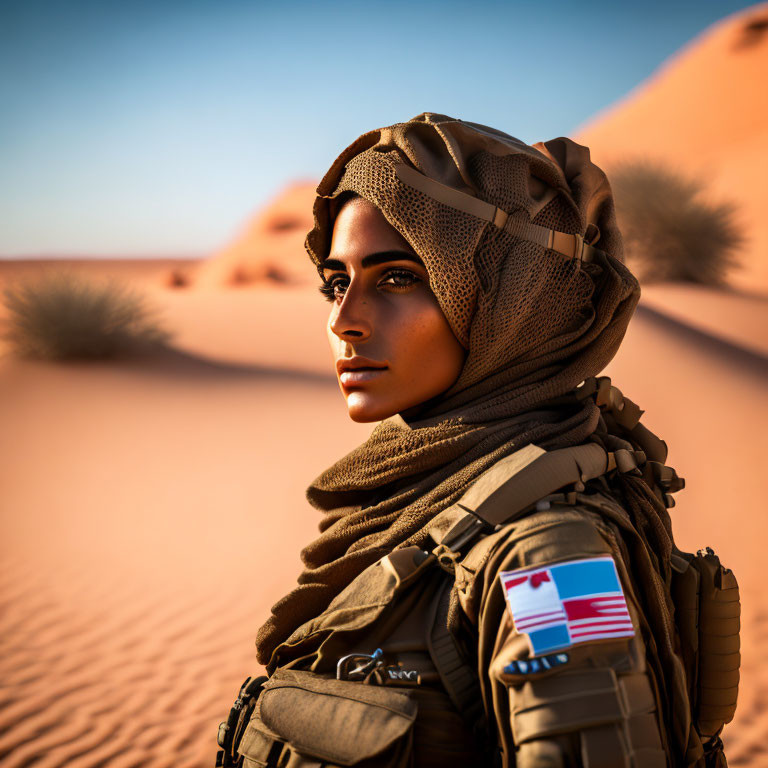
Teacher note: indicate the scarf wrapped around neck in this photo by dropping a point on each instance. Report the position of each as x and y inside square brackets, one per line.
[535, 320]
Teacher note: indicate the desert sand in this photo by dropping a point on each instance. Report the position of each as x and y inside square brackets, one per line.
[153, 510]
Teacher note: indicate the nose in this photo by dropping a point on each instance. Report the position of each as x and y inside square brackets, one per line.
[351, 320]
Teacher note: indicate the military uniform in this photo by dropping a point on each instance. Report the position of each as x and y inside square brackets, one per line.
[590, 702]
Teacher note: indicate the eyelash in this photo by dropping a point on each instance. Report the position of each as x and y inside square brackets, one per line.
[328, 287]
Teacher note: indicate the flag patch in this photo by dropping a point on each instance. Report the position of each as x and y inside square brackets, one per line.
[567, 603]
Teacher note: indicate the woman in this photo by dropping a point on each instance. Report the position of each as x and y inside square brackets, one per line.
[493, 583]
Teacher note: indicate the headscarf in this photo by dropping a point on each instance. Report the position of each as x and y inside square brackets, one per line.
[499, 227]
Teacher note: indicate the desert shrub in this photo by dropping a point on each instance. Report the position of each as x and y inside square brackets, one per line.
[58, 316]
[670, 232]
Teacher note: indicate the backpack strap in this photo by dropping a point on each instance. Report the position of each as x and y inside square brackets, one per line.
[500, 494]
[515, 483]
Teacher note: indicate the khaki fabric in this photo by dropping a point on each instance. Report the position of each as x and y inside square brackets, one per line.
[601, 708]
[329, 722]
[535, 323]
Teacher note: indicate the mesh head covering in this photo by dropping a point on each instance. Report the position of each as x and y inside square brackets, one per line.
[501, 229]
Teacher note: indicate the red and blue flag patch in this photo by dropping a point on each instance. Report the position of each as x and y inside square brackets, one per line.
[567, 603]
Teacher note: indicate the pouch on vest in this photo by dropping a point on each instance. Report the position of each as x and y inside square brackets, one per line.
[303, 719]
[361, 603]
[707, 615]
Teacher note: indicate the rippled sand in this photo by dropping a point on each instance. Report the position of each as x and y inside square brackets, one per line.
[151, 514]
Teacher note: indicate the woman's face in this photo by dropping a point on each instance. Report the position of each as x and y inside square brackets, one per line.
[392, 345]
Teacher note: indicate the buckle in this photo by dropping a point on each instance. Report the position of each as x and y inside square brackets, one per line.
[578, 247]
[355, 666]
[231, 730]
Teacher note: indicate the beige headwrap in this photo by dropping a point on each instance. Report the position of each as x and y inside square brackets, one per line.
[499, 226]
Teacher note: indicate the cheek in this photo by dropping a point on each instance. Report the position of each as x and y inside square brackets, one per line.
[426, 352]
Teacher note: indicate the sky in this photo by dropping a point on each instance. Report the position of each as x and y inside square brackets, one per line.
[158, 127]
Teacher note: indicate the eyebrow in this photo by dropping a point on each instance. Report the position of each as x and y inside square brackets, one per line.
[372, 259]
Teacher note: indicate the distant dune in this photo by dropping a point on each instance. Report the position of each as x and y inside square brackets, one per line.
[705, 113]
[269, 248]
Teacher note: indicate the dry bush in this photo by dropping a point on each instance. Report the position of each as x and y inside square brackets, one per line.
[670, 233]
[59, 316]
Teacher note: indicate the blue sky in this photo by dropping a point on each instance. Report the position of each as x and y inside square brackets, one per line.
[157, 128]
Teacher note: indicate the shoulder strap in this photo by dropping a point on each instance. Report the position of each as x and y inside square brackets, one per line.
[515, 483]
[500, 493]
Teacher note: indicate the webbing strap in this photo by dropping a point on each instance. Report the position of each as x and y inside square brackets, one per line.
[458, 677]
[496, 503]
[513, 484]
[572, 246]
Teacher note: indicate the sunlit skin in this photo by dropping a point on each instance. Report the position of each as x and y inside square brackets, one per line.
[391, 343]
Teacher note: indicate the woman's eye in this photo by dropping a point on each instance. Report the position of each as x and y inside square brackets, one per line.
[399, 278]
[334, 287]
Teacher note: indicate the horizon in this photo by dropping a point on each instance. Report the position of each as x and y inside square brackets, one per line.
[156, 132]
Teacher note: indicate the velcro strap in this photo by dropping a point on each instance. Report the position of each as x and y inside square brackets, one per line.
[564, 703]
[570, 245]
[609, 747]
[626, 461]
[449, 196]
[666, 477]
[457, 675]
[626, 413]
[643, 732]
[637, 694]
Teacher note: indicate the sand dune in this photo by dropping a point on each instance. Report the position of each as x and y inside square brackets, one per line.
[132, 586]
[738, 319]
[704, 113]
[153, 511]
[269, 248]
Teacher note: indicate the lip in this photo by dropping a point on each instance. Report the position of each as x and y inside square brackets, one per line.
[358, 370]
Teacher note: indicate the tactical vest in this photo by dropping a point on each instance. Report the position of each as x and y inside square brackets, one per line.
[303, 715]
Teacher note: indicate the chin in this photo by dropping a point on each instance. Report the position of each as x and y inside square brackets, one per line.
[363, 409]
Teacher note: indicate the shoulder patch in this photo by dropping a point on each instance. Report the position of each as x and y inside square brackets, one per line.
[567, 603]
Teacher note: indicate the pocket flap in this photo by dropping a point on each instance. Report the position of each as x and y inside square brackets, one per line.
[339, 721]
